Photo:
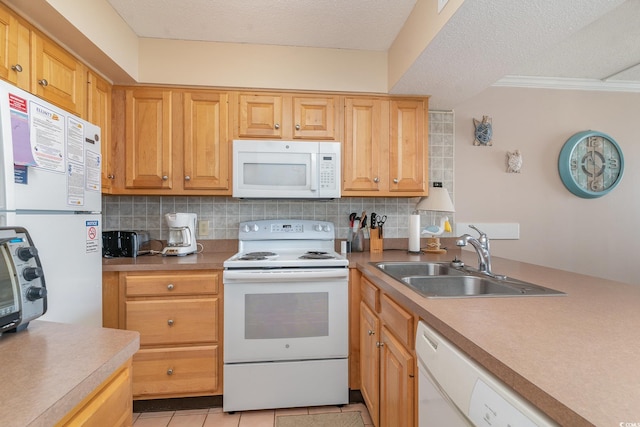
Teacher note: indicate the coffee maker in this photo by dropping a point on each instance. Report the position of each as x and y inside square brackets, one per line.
[182, 234]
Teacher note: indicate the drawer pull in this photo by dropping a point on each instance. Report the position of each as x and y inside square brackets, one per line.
[169, 371]
[170, 287]
[370, 332]
[17, 68]
[43, 82]
[379, 344]
[170, 322]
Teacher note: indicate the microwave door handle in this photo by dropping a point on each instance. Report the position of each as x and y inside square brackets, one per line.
[314, 172]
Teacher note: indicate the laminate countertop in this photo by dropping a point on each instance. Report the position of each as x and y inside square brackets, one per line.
[49, 368]
[576, 357]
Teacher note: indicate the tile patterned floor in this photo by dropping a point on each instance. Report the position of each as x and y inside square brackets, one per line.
[214, 417]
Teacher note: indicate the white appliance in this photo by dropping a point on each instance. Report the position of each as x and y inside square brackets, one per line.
[50, 185]
[286, 169]
[286, 321]
[455, 391]
[182, 234]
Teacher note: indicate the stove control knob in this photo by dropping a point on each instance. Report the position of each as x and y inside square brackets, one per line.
[326, 228]
[245, 228]
[255, 227]
[317, 227]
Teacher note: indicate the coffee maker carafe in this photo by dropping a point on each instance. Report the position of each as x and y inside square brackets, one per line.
[182, 234]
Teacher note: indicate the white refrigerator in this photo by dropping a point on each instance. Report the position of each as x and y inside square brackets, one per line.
[50, 184]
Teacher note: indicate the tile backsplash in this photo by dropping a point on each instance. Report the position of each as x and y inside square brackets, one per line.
[225, 213]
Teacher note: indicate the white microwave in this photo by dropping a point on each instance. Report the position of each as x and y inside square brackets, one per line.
[286, 169]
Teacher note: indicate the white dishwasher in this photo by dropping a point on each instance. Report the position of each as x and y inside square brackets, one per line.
[453, 390]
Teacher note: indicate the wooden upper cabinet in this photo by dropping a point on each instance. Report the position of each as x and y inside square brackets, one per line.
[206, 141]
[408, 146]
[365, 148]
[315, 117]
[15, 49]
[57, 76]
[148, 138]
[260, 115]
[385, 147]
[99, 113]
[287, 116]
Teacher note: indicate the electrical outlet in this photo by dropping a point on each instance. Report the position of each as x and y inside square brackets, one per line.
[442, 4]
[203, 228]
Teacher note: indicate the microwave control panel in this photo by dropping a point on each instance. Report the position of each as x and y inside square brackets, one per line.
[328, 166]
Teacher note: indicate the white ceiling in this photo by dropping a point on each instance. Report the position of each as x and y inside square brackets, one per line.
[482, 43]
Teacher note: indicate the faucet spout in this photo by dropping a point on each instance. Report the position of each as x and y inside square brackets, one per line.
[481, 245]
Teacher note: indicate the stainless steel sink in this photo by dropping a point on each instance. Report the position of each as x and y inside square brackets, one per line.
[406, 269]
[441, 280]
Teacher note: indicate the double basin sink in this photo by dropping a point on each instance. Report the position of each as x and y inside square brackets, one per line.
[448, 280]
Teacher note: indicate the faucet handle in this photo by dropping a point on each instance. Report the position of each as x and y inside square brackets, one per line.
[480, 232]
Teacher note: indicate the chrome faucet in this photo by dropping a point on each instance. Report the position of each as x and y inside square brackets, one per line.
[481, 245]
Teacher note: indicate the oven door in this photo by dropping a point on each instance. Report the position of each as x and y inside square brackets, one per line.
[285, 314]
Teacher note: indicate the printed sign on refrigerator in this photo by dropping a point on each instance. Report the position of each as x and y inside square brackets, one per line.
[47, 138]
[92, 236]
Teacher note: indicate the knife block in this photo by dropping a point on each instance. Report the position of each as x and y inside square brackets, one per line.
[376, 242]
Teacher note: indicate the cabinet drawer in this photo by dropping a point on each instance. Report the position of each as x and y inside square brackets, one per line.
[173, 321]
[172, 284]
[370, 294]
[397, 320]
[176, 371]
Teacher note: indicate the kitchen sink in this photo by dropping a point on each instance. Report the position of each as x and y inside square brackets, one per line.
[406, 269]
[442, 280]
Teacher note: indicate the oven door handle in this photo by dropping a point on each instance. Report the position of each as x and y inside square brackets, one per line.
[280, 275]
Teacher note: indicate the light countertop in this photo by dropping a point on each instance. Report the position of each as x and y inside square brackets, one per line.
[576, 357]
[49, 368]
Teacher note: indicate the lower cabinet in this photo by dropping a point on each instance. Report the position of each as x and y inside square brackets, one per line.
[178, 315]
[109, 405]
[387, 359]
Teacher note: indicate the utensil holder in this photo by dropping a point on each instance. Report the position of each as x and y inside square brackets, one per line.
[376, 242]
[357, 241]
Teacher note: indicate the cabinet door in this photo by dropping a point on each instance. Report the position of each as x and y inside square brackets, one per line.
[365, 145]
[206, 141]
[397, 383]
[370, 361]
[148, 139]
[99, 113]
[14, 50]
[408, 146]
[314, 117]
[57, 76]
[260, 116]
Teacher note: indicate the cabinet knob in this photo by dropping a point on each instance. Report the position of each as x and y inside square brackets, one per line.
[43, 82]
[165, 177]
[370, 332]
[187, 178]
[376, 179]
[277, 126]
[110, 176]
[169, 371]
[297, 126]
[170, 322]
[395, 180]
[379, 344]
[170, 286]
[17, 68]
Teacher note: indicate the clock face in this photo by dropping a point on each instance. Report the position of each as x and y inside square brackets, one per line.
[590, 164]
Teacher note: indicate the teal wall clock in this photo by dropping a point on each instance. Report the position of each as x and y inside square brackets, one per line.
[590, 164]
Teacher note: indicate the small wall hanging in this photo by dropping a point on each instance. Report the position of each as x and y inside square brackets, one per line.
[514, 161]
[483, 131]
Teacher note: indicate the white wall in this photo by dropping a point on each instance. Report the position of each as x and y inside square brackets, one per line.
[598, 237]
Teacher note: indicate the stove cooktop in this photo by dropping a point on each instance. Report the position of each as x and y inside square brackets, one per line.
[284, 258]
